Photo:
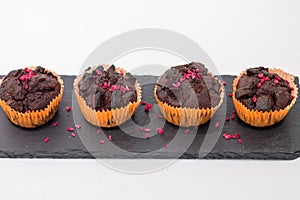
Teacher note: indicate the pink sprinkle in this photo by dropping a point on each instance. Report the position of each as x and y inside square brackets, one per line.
[176, 85]
[267, 78]
[109, 137]
[160, 131]
[199, 76]
[78, 126]
[277, 78]
[159, 116]
[98, 72]
[186, 76]
[122, 72]
[190, 72]
[240, 141]
[147, 136]
[227, 119]
[147, 130]
[287, 81]
[23, 78]
[237, 135]
[233, 116]
[101, 141]
[276, 81]
[68, 109]
[261, 75]
[165, 145]
[227, 137]
[26, 86]
[55, 124]
[233, 111]
[148, 107]
[254, 98]
[258, 85]
[27, 111]
[217, 124]
[197, 70]
[46, 140]
[73, 134]
[293, 97]
[181, 80]
[225, 134]
[224, 82]
[230, 95]
[292, 88]
[144, 103]
[27, 70]
[105, 85]
[27, 76]
[187, 131]
[70, 129]
[113, 88]
[232, 136]
[99, 131]
[95, 76]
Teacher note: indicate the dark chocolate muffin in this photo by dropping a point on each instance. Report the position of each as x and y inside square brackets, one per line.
[261, 90]
[189, 86]
[107, 89]
[30, 97]
[262, 96]
[107, 95]
[28, 90]
[188, 95]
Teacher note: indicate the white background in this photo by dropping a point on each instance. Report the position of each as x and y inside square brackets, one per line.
[235, 34]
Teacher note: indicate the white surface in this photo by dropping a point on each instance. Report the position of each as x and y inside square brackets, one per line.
[235, 34]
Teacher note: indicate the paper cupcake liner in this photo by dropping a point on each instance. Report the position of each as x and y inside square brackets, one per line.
[34, 118]
[264, 118]
[107, 118]
[188, 116]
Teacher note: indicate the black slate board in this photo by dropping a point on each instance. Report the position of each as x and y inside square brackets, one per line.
[281, 141]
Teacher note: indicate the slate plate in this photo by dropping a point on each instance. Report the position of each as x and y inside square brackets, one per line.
[281, 141]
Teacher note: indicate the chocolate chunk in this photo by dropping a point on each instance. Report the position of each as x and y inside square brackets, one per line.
[264, 103]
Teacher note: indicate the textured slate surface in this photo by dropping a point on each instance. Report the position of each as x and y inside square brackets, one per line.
[281, 141]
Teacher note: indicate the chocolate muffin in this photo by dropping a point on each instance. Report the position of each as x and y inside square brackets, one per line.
[263, 90]
[185, 88]
[107, 95]
[27, 92]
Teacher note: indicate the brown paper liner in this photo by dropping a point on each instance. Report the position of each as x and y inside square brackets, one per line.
[188, 116]
[34, 118]
[107, 118]
[263, 118]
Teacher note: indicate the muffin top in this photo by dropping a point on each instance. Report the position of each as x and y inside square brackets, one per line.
[28, 90]
[190, 86]
[107, 89]
[261, 90]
